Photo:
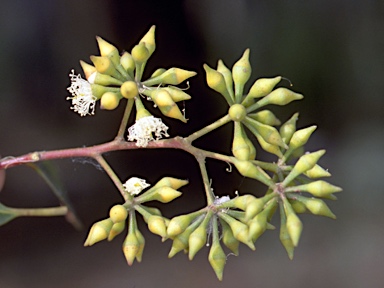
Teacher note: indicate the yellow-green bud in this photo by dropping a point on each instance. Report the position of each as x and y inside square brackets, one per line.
[149, 40]
[166, 104]
[253, 208]
[288, 128]
[108, 50]
[126, 60]
[258, 225]
[240, 148]
[239, 230]
[140, 53]
[99, 90]
[294, 225]
[165, 194]
[216, 81]
[157, 225]
[158, 72]
[103, 79]
[300, 137]
[217, 259]
[228, 239]
[317, 172]
[263, 86]
[227, 76]
[305, 162]
[178, 224]
[247, 169]
[268, 133]
[237, 112]
[129, 90]
[172, 76]
[241, 71]
[104, 65]
[197, 240]
[131, 246]
[118, 213]
[177, 94]
[280, 96]
[141, 240]
[319, 188]
[98, 232]
[316, 206]
[171, 182]
[297, 206]
[266, 117]
[109, 101]
[88, 69]
[273, 149]
[117, 228]
[285, 239]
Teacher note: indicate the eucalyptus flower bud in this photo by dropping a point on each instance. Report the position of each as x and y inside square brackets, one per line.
[240, 148]
[157, 225]
[318, 188]
[288, 128]
[87, 69]
[178, 224]
[99, 90]
[228, 239]
[217, 259]
[177, 95]
[285, 239]
[172, 76]
[98, 232]
[316, 206]
[104, 65]
[171, 182]
[265, 117]
[300, 137]
[268, 133]
[141, 240]
[273, 149]
[294, 225]
[239, 230]
[109, 101]
[118, 213]
[165, 194]
[140, 53]
[149, 40]
[227, 76]
[247, 169]
[116, 229]
[216, 81]
[241, 71]
[197, 240]
[158, 72]
[126, 60]
[237, 112]
[317, 172]
[297, 206]
[103, 79]
[263, 86]
[258, 225]
[129, 89]
[131, 247]
[108, 50]
[281, 96]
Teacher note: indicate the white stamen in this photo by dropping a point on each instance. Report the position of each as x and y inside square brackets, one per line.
[135, 185]
[142, 130]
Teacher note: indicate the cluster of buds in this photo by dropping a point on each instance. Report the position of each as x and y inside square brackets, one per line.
[113, 77]
[164, 191]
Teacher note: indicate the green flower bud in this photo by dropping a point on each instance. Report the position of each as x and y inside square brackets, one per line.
[241, 71]
[140, 53]
[126, 60]
[129, 89]
[273, 149]
[171, 182]
[227, 77]
[247, 169]
[237, 112]
[108, 50]
[305, 162]
[216, 81]
[318, 188]
[118, 213]
[141, 240]
[178, 224]
[285, 239]
[281, 96]
[158, 72]
[104, 65]
[149, 40]
[263, 86]
[99, 90]
[103, 79]
[265, 117]
[316, 206]
[317, 172]
[157, 225]
[288, 128]
[131, 247]
[239, 230]
[177, 95]
[98, 232]
[172, 76]
[300, 137]
[166, 194]
[166, 104]
[259, 223]
[217, 259]
[228, 239]
[117, 228]
[88, 69]
[240, 148]
[294, 225]
[109, 101]
[297, 206]
[198, 238]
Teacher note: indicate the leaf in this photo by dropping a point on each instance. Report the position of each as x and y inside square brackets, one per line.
[6, 214]
[49, 173]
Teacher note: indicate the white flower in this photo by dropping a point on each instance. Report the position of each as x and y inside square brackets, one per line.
[135, 185]
[83, 101]
[220, 200]
[144, 127]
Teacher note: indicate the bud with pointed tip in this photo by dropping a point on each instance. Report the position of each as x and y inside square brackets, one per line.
[157, 225]
[288, 128]
[103, 79]
[300, 137]
[297, 206]
[263, 86]
[178, 224]
[126, 60]
[228, 239]
[172, 76]
[104, 65]
[281, 96]
[177, 95]
[248, 169]
[198, 238]
[217, 259]
[116, 229]
[98, 232]
[149, 40]
[216, 81]
[265, 117]
[140, 53]
[227, 74]
[316, 206]
[158, 72]
[318, 188]
[129, 90]
[273, 149]
[87, 69]
[109, 101]
[317, 172]
[240, 148]
[131, 246]
[285, 239]
[108, 50]
[141, 240]
[171, 182]
[294, 225]
[241, 71]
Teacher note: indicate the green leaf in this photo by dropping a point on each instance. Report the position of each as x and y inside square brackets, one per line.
[49, 173]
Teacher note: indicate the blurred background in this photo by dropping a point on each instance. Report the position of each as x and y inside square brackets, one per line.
[332, 51]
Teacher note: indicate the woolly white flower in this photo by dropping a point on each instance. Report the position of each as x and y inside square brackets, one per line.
[221, 200]
[142, 130]
[135, 185]
[83, 101]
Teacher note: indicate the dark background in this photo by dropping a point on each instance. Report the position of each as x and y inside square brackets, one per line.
[331, 50]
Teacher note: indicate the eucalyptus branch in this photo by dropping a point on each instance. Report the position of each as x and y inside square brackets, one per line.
[222, 121]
